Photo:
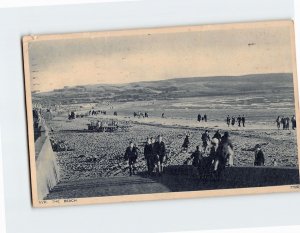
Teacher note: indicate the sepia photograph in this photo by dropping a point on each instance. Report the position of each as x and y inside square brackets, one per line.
[162, 113]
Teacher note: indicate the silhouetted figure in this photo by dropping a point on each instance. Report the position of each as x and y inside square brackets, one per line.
[197, 156]
[283, 122]
[287, 123]
[278, 121]
[293, 120]
[228, 120]
[72, 116]
[232, 121]
[217, 135]
[205, 140]
[131, 155]
[205, 117]
[207, 165]
[239, 119]
[186, 143]
[199, 118]
[149, 156]
[259, 156]
[224, 151]
[163, 115]
[160, 153]
[243, 120]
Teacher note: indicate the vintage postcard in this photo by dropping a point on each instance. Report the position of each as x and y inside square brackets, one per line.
[163, 113]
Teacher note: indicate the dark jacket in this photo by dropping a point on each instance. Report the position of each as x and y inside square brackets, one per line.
[217, 136]
[160, 149]
[148, 151]
[226, 140]
[259, 159]
[186, 142]
[199, 117]
[213, 153]
[205, 137]
[197, 157]
[131, 153]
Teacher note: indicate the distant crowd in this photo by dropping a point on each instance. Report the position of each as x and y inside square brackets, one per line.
[284, 122]
[140, 114]
[96, 112]
[240, 120]
[202, 118]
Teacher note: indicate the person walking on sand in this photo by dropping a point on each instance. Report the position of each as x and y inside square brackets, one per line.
[239, 119]
[243, 120]
[224, 153]
[131, 155]
[160, 154]
[283, 122]
[287, 123]
[205, 117]
[205, 140]
[278, 121]
[186, 143]
[293, 120]
[199, 118]
[148, 153]
[228, 120]
[163, 115]
[259, 158]
[233, 121]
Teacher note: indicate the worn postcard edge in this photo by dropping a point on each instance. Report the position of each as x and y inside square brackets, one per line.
[155, 196]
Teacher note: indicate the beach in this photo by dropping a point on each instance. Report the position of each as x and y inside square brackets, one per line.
[101, 154]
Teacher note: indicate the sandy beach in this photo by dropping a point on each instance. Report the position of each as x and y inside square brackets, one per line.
[100, 154]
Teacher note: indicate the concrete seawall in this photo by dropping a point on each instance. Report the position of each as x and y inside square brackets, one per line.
[176, 179]
[238, 177]
[47, 170]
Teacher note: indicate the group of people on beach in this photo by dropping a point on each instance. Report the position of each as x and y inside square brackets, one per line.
[96, 112]
[285, 122]
[154, 153]
[210, 160]
[220, 154]
[140, 114]
[241, 120]
[202, 118]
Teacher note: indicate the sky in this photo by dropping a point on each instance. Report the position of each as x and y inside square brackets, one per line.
[148, 55]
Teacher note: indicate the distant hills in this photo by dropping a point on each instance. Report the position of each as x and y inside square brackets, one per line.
[171, 89]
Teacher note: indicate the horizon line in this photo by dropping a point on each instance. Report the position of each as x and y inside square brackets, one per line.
[155, 81]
